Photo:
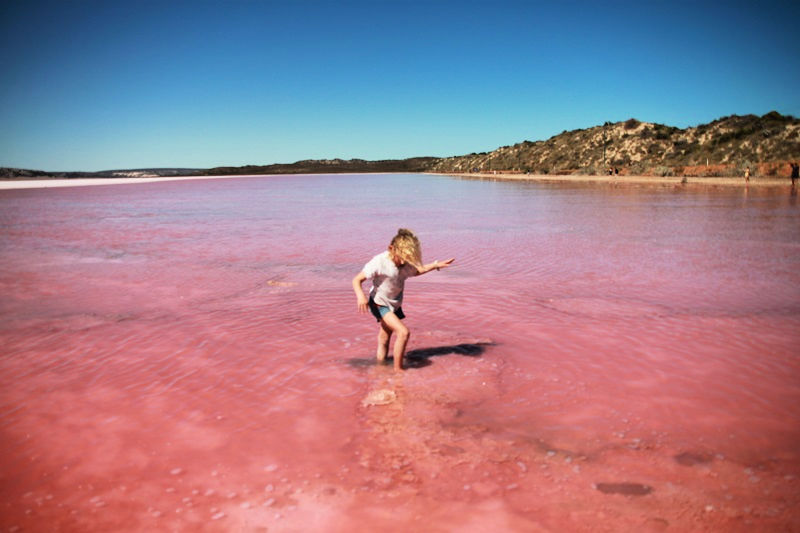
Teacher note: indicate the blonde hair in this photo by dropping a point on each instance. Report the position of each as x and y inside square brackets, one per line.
[406, 247]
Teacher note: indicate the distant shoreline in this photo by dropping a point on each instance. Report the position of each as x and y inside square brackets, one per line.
[46, 183]
[43, 183]
[621, 180]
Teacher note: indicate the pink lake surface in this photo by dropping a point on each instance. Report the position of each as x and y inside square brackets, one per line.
[187, 356]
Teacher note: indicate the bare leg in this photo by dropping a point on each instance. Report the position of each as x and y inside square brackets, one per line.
[384, 334]
[395, 325]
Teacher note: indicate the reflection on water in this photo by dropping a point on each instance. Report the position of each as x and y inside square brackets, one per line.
[188, 355]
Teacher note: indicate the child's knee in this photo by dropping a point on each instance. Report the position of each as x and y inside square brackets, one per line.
[403, 333]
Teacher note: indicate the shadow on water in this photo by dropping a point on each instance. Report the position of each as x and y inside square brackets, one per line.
[420, 357]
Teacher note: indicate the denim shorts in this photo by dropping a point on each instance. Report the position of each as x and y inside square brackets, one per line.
[379, 310]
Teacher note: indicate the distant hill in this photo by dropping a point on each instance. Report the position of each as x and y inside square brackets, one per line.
[332, 166]
[724, 147]
[21, 173]
[310, 166]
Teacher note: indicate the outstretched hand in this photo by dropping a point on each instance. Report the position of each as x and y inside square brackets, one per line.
[445, 263]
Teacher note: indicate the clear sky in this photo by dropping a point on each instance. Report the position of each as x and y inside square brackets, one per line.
[136, 84]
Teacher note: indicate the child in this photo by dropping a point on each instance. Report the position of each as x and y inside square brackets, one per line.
[388, 272]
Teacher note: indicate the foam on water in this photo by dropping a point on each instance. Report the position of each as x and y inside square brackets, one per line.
[188, 355]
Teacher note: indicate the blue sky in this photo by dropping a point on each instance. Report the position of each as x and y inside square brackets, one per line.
[107, 85]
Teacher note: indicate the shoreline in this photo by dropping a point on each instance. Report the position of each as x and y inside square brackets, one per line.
[43, 183]
[620, 180]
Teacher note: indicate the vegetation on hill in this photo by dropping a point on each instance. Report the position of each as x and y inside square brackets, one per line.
[331, 166]
[724, 147]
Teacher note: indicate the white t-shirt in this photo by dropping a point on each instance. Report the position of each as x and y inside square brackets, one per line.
[387, 280]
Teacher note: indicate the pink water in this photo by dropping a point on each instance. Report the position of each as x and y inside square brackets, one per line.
[188, 356]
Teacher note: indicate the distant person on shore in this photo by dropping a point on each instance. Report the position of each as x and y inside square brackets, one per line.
[747, 174]
[795, 172]
[388, 271]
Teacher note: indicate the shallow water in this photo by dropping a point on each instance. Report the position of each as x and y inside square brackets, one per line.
[188, 356]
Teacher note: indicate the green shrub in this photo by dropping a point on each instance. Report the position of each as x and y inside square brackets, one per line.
[663, 171]
[680, 145]
[631, 124]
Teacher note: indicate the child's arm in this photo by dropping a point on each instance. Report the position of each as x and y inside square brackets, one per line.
[436, 265]
[361, 298]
